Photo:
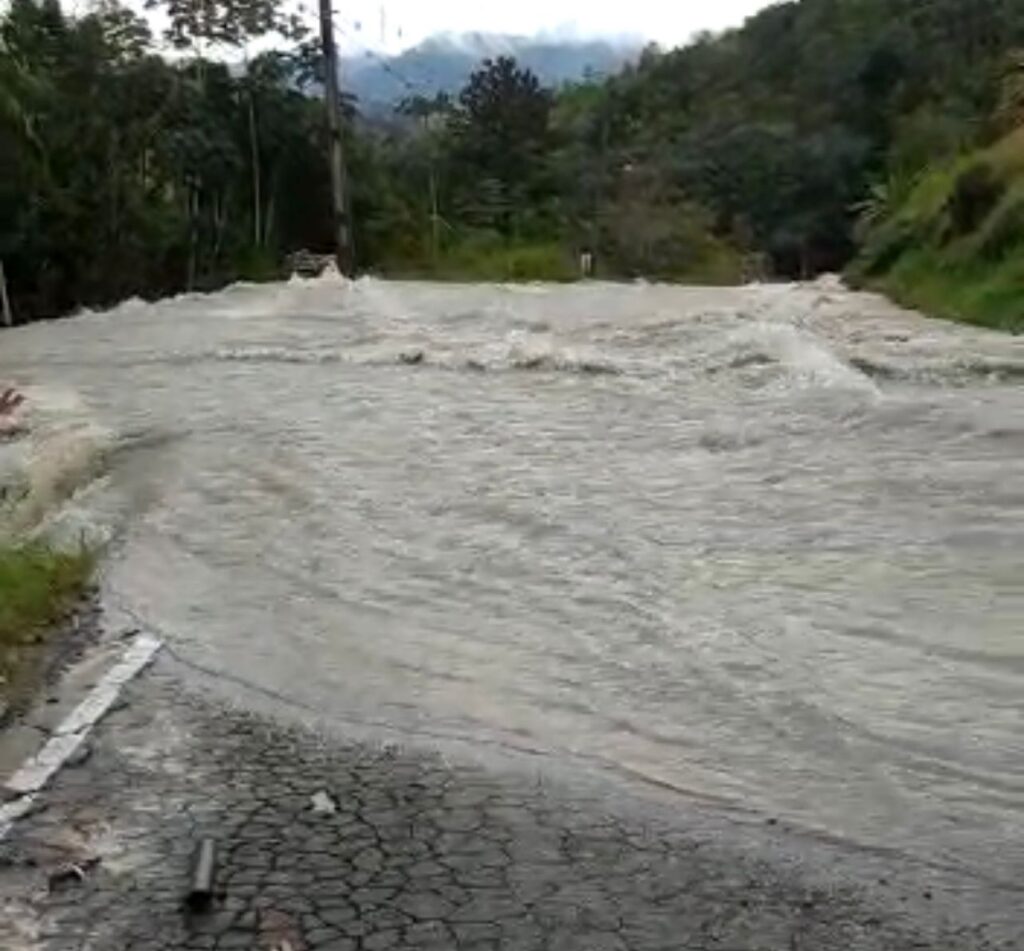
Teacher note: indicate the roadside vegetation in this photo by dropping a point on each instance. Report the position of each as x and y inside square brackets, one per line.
[38, 585]
[818, 134]
[488, 258]
[955, 245]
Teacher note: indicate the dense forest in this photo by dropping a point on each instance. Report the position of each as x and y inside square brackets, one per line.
[821, 135]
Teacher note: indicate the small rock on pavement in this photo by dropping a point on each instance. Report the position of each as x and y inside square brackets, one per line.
[80, 757]
[70, 874]
[323, 804]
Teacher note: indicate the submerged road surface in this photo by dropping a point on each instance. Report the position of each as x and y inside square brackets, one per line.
[759, 547]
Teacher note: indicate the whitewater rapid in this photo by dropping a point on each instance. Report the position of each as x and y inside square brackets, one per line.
[758, 545]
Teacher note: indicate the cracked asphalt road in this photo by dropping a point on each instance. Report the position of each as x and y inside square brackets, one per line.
[329, 845]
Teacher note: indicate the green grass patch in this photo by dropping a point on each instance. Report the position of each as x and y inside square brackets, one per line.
[1007, 155]
[987, 295]
[492, 261]
[37, 587]
[712, 262]
[1003, 230]
[524, 262]
[715, 265]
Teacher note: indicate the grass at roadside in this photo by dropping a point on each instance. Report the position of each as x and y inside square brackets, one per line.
[954, 244]
[491, 261]
[527, 262]
[989, 296]
[37, 586]
[707, 261]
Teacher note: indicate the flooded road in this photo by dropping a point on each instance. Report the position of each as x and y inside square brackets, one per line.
[764, 546]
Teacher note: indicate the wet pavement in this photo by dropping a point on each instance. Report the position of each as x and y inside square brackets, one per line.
[592, 617]
[328, 844]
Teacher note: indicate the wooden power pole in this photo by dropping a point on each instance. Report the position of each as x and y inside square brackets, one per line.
[339, 183]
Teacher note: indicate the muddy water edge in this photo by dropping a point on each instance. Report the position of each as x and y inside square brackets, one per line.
[762, 546]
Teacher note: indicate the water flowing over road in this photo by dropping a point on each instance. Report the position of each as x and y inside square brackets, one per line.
[764, 546]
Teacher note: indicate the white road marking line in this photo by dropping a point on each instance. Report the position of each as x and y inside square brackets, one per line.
[102, 697]
[37, 771]
[73, 730]
[11, 812]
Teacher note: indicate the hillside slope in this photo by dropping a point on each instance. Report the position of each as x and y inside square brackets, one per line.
[782, 127]
[955, 245]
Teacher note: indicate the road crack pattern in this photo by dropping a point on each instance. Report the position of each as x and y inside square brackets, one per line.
[325, 845]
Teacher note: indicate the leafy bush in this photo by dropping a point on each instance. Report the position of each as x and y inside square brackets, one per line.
[651, 231]
[885, 247]
[539, 262]
[485, 256]
[1003, 230]
[976, 192]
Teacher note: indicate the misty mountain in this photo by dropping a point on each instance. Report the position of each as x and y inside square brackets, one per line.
[443, 63]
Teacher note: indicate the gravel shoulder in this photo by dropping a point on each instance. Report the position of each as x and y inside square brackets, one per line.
[328, 844]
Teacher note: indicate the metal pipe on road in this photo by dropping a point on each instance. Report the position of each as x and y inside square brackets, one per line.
[204, 867]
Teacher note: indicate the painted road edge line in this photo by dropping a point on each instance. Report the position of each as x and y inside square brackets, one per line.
[73, 730]
[11, 812]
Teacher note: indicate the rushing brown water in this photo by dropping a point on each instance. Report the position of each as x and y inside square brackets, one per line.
[764, 545]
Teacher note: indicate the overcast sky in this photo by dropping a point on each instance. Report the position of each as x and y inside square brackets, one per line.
[397, 24]
[669, 22]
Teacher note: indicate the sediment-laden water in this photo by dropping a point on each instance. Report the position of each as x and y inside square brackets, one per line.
[760, 545]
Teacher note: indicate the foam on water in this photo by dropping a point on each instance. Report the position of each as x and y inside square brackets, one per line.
[761, 543]
[59, 452]
[808, 361]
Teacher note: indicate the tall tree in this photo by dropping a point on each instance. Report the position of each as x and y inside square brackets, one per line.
[501, 133]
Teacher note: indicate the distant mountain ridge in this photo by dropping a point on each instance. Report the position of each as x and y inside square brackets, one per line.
[444, 62]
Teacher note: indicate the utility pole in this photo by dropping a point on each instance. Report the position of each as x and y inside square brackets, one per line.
[339, 185]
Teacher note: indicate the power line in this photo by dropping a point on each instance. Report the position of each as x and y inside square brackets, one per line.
[408, 84]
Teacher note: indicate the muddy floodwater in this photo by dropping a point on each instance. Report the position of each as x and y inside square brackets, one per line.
[761, 546]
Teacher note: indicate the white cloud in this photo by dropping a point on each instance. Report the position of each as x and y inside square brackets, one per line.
[401, 23]
[397, 24]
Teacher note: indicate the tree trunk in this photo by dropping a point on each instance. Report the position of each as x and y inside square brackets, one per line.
[114, 225]
[220, 220]
[6, 317]
[193, 236]
[268, 219]
[435, 242]
[257, 202]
